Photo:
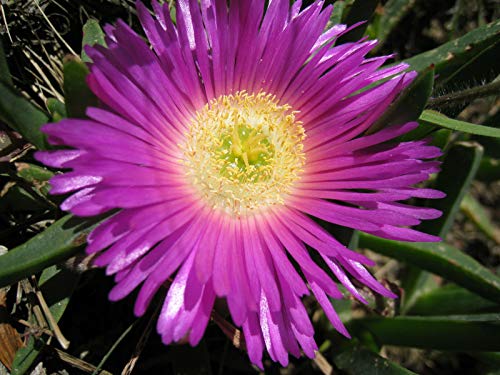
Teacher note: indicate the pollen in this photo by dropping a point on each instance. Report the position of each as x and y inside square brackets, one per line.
[243, 152]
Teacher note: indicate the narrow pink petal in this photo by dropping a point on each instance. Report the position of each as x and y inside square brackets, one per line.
[329, 310]
[253, 339]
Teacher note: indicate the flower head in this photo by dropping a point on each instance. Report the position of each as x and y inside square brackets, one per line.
[220, 147]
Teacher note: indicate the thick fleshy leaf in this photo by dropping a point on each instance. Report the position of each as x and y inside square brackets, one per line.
[58, 242]
[57, 286]
[478, 215]
[26, 355]
[451, 56]
[56, 109]
[478, 332]
[435, 118]
[441, 259]
[441, 138]
[482, 67]
[36, 176]
[339, 8]
[77, 94]
[388, 18]
[450, 299]
[458, 170]
[360, 10]
[360, 361]
[22, 116]
[489, 170]
[457, 173]
[92, 34]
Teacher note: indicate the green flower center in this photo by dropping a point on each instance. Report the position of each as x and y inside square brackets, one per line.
[246, 153]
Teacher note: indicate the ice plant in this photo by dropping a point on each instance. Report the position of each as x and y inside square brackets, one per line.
[222, 147]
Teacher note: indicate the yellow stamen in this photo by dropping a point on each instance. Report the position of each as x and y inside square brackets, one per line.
[244, 152]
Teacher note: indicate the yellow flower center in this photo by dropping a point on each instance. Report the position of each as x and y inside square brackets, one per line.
[243, 152]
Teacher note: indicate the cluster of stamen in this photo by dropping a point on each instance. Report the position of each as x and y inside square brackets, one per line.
[243, 152]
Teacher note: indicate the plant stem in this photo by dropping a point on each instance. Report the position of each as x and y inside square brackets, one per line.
[489, 89]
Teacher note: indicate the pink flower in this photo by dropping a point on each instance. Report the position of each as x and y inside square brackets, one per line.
[220, 146]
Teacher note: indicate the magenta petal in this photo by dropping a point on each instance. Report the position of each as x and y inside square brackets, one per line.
[196, 222]
[254, 339]
[202, 318]
[329, 311]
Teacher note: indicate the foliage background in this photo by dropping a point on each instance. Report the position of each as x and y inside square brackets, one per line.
[447, 319]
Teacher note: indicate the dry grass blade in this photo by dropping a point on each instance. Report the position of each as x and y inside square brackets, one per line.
[322, 363]
[42, 313]
[57, 34]
[233, 333]
[52, 322]
[6, 23]
[35, 330]
[78, 363]
[51, 68]
[29, 291]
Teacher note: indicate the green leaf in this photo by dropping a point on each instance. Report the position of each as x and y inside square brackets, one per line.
[58, 242]
[4, 67]
[26, 356]
[451, 56]
[478, 215]
[360, 10]
[415, 283]
[479, 68]
[441, 138]
[22, 116]
[360, 361]
[77, 93]
[453, 332]
[489, 170]
[458, 171]
[441, 259]
[92, 34]
[435, 118]
[392, 13]
[37, 176]
[337, 13]
[410, 103]
[57, 286]
[450, 299]
[56, 109]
